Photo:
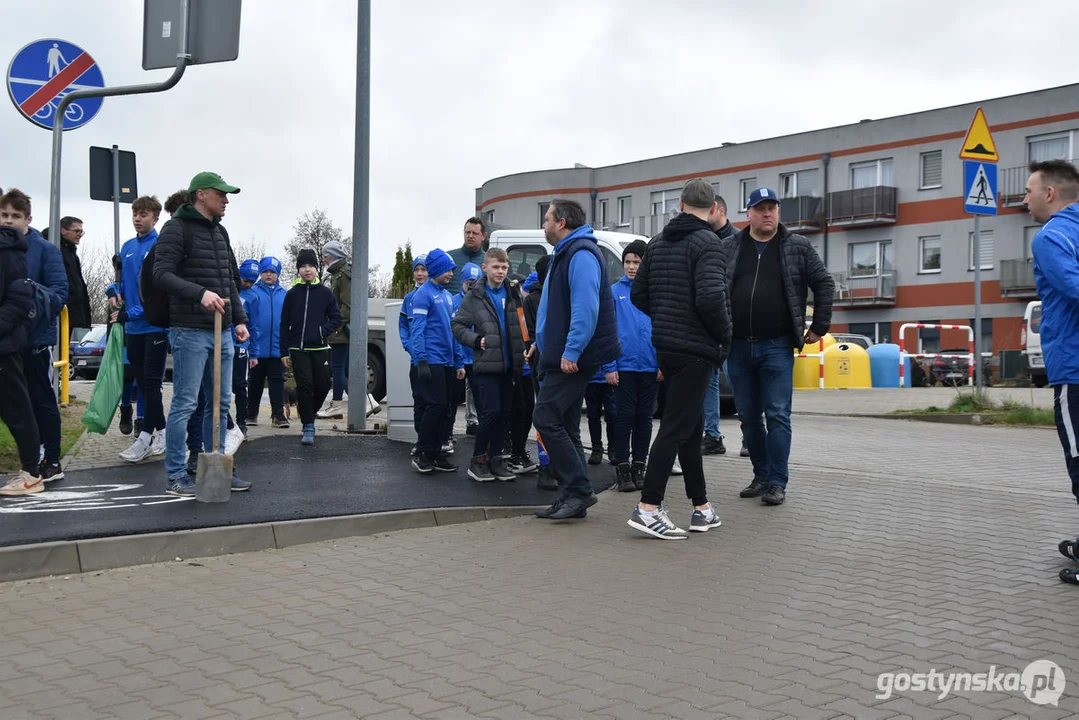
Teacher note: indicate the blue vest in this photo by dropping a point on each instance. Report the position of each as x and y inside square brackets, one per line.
[604, 347]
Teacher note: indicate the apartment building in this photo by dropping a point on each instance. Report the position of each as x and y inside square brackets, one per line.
[881, 200]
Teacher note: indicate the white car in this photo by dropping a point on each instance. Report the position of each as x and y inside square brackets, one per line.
[1031, 339]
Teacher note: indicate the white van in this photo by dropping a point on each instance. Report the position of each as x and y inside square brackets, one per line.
[525, 247]
[1031, 339]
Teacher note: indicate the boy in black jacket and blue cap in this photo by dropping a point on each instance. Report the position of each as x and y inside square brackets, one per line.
[309, 316]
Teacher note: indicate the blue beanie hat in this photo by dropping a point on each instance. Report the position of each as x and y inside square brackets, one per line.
[530, 281]
[438, 263]
[471, 271]
[249, 270]
[270, 263]
[419, 260]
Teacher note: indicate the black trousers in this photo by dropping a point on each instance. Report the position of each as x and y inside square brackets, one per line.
[269, 369]
[437, 395]
[558, 420]
[314, 380]
[1066, 411]
[634, 400]
[494, 400]
[524, 404]
[239, 386]
[599, 401]
[17, 412]
[679, 435]
[37, 370]
[147, 355]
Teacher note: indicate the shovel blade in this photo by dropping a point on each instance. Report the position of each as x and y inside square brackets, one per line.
[213, 479]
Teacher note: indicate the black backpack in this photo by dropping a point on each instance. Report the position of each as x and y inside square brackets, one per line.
[155, 301]
[42, 312]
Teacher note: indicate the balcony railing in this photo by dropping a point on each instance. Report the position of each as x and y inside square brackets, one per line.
[802, 214]
[1017, 278]
[865, 290]
[647, 225]
[863, 206]
[1012, 185]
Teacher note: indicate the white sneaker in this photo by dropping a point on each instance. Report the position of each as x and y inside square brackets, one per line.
[677, 468]
[137, 452]
[157, 443]
[332, 410]
[373, 406]
[233, 439]
[23, 483]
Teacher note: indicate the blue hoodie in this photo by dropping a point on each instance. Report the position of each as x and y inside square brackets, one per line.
[45, 266]
[250, 300]
[268, 330]
[634, 332]
[584, 273]
[1056, 275]
[132, 254]
[430, 335]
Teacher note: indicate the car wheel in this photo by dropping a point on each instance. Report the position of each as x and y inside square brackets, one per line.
[376, 375]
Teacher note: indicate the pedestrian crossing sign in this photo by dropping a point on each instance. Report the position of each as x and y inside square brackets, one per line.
[978, 144]
[980, 184]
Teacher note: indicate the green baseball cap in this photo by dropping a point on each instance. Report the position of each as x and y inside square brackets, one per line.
[208, 180]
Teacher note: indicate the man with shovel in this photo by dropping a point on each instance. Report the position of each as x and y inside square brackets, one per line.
[195, 267]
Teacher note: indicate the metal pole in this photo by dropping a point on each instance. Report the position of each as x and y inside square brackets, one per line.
[357, 396]
[115, 200]
[977, 249]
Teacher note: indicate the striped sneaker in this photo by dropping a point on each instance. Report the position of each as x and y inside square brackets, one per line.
[701, 522]
[658, 526]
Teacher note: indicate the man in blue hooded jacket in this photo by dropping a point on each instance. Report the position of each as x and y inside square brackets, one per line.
[576, 333]
[267, 350]
[45, 266]
[1053, 198]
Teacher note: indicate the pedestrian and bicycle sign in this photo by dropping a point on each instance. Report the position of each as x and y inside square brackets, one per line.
[980, 185]
[43, 72]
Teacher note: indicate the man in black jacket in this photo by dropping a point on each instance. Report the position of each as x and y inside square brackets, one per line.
[768, 271]
[712, 441]
[195, 266]
[78, 298]
[680, 286]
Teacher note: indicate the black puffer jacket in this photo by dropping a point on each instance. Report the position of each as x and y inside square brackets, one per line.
[78, 298]
[309, 315]
[16, 298]
[802, 269]
[478, 318]
[680, 286]
[187, 270]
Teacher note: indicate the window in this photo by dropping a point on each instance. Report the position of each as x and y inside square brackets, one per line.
[614, 265]
[489, 217]
[666, 201]
[748, 186]
[625, 210]
[715, 188]
[804, 183]
[985, 248]
[543, 208]
[987, 334]
[877, 332]
[870, 259]
[932, 169]
[1057, 146]
[604, 217]
[871, 174]
[929, 338]
[929, 252]
[523, 259]
[1028, 238]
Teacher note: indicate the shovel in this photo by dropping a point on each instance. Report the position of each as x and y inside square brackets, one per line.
[213, 479]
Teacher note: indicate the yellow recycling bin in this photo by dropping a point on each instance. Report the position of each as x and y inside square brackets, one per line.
[846, 366]
[807, 369]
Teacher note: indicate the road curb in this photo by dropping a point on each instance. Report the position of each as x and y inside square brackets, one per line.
[22, 562]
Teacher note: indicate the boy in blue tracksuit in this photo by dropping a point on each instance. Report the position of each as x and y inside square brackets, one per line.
[404, 323]
[599, 403]
[436, 362]
[271, 297]
[637, 381]
[241, 362]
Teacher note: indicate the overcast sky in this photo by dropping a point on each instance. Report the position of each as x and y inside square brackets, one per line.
[467, 91]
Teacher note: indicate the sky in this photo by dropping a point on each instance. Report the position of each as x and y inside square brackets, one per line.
[467, 91]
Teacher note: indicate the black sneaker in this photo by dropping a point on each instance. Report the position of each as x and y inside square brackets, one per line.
[744, 452]
[712, 445]
[546, 513]
[50, 472]
[596, 457]
[192, 463]
[775, 495]
[624, 478]
[252, 419]
[422, 463]
[279, 421]
[755, 489]
[478, 470]
[471, 429]
[523, 464]
[638, 475]
[546, 479]
[126, 425]
[443, 464]
[500, 470]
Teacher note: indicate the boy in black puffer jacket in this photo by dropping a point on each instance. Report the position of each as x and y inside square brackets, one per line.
[308, 317]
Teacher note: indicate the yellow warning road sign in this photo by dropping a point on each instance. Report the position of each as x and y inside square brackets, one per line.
[979, 144]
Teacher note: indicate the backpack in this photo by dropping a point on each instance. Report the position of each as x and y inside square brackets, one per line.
[42, 312]
[155, 301]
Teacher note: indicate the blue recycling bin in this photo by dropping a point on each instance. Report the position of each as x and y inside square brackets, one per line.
[884, 366]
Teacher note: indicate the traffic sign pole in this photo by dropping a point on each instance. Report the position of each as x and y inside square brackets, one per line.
[357, 395]
[978, 302]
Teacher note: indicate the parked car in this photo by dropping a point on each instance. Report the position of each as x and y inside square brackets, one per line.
[862, 341]
[1031, 340]
[956, 370]
[85, 354]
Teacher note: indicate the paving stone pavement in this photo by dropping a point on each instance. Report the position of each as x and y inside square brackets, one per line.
[904, 547]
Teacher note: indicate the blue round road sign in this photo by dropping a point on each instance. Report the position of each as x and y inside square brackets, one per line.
[43, 72]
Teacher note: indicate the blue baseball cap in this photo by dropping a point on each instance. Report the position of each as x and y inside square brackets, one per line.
[249, 270]
[419, 260]
[270, 263]
[471, 271]
[760, 195]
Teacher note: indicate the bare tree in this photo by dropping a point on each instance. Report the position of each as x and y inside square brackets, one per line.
[378, 284]
[251, 249]
[98, 273]
[312, 231]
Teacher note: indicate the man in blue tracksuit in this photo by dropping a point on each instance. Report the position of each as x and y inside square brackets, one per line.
[1053, 198]
[437, 362]
[404, 323]
[576, 333]
[45, 266]
[271, 297]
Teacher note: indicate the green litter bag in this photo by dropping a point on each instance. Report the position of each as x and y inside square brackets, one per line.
[109, 386]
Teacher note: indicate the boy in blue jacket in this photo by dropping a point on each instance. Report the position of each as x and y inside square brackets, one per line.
[309, 316]
[436, 362]
[271, 296]
[637, 378]
[404, 323]
[243, 361]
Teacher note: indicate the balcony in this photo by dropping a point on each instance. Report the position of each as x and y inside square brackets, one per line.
[863, 206]
[1012, 185]
[647, 225]
[802, 214]
[865, 290]
[1017, 278]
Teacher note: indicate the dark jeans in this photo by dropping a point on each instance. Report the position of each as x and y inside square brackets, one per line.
[599, 399]
[340, 371]
[148, 354]
[314, 378]
[524, 404]
[558, 420]
[268, 369]
[239, 386]
[635, 396]
[494, 400]
[1066, 409]
[437, 399]
[679, 436]
[17, 412]
[762, 376]
[419, 405]
[37, 369]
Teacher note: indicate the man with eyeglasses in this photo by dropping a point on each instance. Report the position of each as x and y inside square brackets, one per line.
[78, 298]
